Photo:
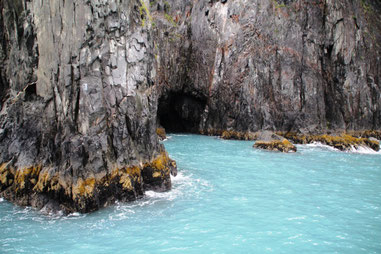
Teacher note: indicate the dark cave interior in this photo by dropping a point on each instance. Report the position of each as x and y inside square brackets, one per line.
[180, 113]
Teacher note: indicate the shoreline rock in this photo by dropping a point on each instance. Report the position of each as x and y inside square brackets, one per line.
[270, 141]
[341, 141]
[43, 187]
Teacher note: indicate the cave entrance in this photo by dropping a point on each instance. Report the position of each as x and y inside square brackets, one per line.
[178, 112]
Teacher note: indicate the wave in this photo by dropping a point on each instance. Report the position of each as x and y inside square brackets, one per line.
[183, 185]
[179, 135]
[180, 185]
[320, 145]
[363, 150]
[359, 150]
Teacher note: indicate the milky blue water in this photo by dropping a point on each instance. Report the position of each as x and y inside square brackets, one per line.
[227, 198]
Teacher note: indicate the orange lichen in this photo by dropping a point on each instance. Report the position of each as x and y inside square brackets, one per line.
[128, 176]
[42, 181]
[26, 174]
[161, 133]
[4, 172]
[341, 142]
[276, 145]
[134, 171]
[84, 188]
[47, 180]
[156, 174]
[237, 135]
[160, 162]
[125, 181]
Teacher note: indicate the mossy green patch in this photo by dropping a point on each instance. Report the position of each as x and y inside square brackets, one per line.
[144, 13]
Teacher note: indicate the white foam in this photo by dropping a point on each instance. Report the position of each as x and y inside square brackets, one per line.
[179, 184]
[76, 214]
[359, 150]
[1, 199]
[182, 185]
[320, 145]
[297, 218]
[363, 150]
[167, 138]
[181, 178]
[170, 195]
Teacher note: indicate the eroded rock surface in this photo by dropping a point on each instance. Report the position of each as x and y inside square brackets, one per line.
[85, 84]
[78, 119]
[307, 66]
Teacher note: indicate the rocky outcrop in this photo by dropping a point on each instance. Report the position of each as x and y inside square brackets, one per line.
[343, 141]
[270, 141]
[85, 84]
[78, 118]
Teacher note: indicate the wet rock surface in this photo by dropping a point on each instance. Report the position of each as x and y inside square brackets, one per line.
[85, 84]
[342, 141]
[270, 141]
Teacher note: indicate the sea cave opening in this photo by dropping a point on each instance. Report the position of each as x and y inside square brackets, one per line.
[180, 113]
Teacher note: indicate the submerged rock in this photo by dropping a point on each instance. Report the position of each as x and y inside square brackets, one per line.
[273, 142]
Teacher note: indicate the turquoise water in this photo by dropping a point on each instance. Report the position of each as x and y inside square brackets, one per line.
[227, 198]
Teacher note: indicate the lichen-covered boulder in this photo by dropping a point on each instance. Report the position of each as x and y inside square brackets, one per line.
[273, 142]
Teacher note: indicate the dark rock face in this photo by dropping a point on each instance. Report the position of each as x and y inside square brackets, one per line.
[308, 66]
[85, 84]
[78, 119]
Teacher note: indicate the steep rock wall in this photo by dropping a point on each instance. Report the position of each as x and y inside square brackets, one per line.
[310, 66]
[78, 116]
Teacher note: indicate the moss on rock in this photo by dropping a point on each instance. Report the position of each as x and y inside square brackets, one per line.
[86, 193]
[343, 141]
[273, 142]
[160, 131]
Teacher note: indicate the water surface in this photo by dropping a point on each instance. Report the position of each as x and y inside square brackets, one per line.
[227, 198]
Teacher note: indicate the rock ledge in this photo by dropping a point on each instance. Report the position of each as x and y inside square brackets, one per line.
[273, 142]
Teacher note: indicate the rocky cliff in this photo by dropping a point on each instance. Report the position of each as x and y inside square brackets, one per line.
[289, 65]
[84, 85]
[78, 119]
